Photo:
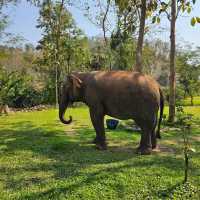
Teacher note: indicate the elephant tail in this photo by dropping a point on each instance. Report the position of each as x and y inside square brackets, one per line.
[161, 113]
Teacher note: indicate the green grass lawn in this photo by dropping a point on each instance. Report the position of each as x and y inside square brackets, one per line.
[40, 158]
[187, 101]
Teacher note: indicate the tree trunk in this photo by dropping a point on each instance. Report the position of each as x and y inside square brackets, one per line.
[68, 64]
[172, 78]
[191, 100]
[138, 66]
[58, 67]
[186, 166]
[56, 85]
[184, 96]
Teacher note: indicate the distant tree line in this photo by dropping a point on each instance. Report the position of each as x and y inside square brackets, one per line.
[33, 75]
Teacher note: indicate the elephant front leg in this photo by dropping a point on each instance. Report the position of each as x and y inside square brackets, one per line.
[98, 124]
[145, 147]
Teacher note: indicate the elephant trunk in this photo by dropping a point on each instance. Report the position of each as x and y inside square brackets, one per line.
[62, 109]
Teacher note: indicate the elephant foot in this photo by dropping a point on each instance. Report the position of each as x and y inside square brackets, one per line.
[95, 141]
[154, 146]
[146, 151]
[138, 149]
[143, 151]
[102, 146]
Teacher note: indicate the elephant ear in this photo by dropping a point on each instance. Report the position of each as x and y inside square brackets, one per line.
[76, 82]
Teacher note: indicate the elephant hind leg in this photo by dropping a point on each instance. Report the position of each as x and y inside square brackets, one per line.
[153, 139]
[145, 147]
[147, 137]
[153, 134]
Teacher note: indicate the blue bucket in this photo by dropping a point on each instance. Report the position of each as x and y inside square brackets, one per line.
[112, 123]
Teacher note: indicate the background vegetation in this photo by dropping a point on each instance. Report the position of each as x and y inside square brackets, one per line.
[32, 75]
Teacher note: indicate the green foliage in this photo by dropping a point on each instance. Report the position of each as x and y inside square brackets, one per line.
[160, 7]
[195, 20]
[185, 121]
[133, 6]
[16, 90]
[122, 42]
[62, 41]
[155, 19]
[63, 46]
[179, 95]
[3, 23]
[189, 74]
[100, 54]
[182, 191]
[123, 51]
[48, 92]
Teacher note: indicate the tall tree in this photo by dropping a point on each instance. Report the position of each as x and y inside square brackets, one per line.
[172, 9]
[59, 33]
[172, 77]
[140, 10]
[133, 12]
[138, 64]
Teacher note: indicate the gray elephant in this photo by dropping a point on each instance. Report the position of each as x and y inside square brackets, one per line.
[119, 94]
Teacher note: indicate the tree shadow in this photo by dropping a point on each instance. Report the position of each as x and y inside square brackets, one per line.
[166, 193]
[67, 156]
[94, 177]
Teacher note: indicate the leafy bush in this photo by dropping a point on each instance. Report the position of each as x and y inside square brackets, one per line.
[17, 90]
[179, 95]
[48, 94]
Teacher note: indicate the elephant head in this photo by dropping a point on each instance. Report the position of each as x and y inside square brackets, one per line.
[70, 92]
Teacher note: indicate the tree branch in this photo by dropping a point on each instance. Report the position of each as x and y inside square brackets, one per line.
[104, 20]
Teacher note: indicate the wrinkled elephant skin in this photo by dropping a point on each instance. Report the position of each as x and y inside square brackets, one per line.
[119, 94]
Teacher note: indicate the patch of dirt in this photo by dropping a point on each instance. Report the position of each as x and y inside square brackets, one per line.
[30, 109]
[196, 138]
[170, 129]
[171, 142]
[70, 132]
[127, 149]
[72, 129]
[164, 149]
[116, 142]
[132, 149]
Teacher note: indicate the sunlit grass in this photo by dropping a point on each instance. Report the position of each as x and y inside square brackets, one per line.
[187, 101]
[40, 158]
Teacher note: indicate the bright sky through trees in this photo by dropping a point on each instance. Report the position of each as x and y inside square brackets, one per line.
[24, 19]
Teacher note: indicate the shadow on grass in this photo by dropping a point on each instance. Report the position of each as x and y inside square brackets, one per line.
[98, 176]
[68, 156]
[167, 193]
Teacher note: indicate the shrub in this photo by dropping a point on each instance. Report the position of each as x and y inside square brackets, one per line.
[17, 90]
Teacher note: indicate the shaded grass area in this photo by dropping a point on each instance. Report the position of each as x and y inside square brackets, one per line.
[42, 159]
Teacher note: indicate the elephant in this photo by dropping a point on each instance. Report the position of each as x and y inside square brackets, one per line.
[119, 94]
